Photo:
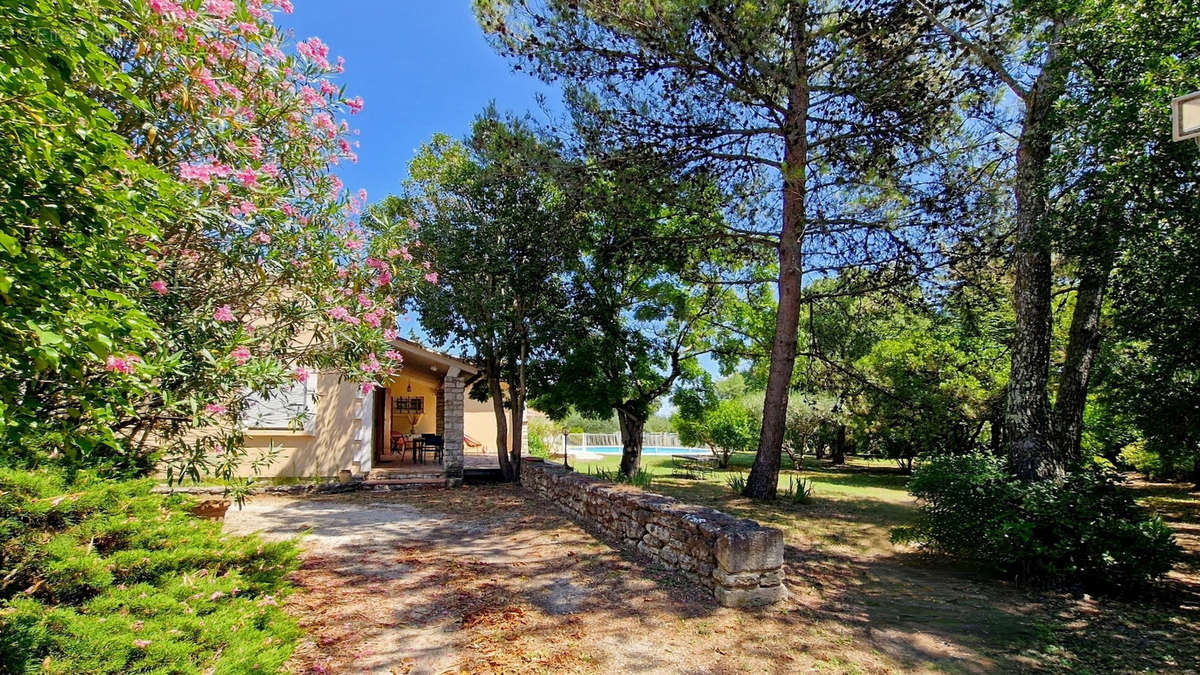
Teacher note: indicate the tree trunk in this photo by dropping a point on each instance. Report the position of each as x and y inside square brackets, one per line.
[839, 446]
[496, 393]
[631, 441]
[1031, 449]
[1082, 345]
[518, 412]
[764, 475]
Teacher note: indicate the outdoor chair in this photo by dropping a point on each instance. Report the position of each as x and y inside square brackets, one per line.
[434, 443]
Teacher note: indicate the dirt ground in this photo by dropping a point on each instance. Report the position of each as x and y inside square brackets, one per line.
[486, 579]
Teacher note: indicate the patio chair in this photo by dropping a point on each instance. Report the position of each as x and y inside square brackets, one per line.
[435, 443]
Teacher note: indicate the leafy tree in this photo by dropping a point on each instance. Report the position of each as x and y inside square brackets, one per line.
[1090, 82]
[716, 417]
[636, 324]
[174, 239]
[498, 229]
[823, 106]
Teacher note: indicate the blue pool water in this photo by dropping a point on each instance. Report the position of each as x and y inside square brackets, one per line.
[646, 450]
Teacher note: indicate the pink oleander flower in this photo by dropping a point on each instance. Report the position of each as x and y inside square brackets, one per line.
[261, 238]
[338, 313]
[117, 364]
[214, 409]
[393, 252]
[367, 387]
[389, 333]
[393, 355]
[364, 300]
[300, 375]
[221, 9]
[385, 278]
[432, 277]
[223, 314]
[241, 355]
[247, 177]
[371, 365]
[159, 287]
[355, 104]
[353, 244]
[372, 319]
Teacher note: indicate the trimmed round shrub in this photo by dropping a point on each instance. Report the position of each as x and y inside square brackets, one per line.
[1084, 528]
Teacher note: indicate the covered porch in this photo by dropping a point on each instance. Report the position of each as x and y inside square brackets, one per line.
[417, 421]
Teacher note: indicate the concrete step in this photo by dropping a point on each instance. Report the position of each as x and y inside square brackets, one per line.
[405, 484]
[393, 474]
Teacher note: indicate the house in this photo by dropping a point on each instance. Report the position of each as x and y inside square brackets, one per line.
[379, 430]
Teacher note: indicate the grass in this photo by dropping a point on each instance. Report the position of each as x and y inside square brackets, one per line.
[842, 564]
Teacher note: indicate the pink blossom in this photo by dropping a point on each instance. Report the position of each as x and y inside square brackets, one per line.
[247, 28]
[372, 319]
[261, 238]
[355, 104]
[247, 177]
[338, 313]
[385, 278]
[270, 169]
[116, 364]
[432, 277]
[393, 355]
[221, 9]
[389, 333]
[159, 287]
[371, 365]
[393, 252]
[272, 52]
[223, 314]
[241, 355]
[367, 387]
[244, 208]
[301, 375]
[364, 300]
[214, 409]
[353, 244]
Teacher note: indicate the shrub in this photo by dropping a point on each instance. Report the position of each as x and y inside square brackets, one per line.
[1084, 528]
[798, 491]
[105, 577]
[736, 482]
[641, 478]
[1143, 460]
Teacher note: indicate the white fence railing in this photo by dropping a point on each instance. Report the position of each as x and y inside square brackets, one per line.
[657, 439]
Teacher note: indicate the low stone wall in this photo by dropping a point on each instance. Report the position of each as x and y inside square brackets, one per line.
[738, 560]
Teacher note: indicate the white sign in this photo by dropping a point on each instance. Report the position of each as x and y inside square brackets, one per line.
[1185, 117]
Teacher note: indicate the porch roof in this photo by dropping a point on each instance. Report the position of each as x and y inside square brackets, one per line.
[419, 359]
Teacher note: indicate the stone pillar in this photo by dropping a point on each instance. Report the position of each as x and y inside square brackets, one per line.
[450, 427]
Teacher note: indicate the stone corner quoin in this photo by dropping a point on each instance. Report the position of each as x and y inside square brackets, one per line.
[739, 561]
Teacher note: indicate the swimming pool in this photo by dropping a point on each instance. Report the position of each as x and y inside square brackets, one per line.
[646, 450]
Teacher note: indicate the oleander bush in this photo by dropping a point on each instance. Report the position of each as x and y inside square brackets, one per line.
[1083, 529]
[102, 576]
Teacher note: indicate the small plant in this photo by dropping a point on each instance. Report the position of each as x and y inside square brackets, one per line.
[640, 479]
[736, 482]
[798, 491]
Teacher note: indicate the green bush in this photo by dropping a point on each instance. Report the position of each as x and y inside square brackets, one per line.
[642, 478]
[1143, 460]
[1084, 528]
[798, 491]
[105, 577]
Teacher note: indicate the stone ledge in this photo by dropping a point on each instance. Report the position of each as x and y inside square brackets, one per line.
[738, 560]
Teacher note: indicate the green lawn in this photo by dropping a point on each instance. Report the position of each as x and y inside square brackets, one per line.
[841, 560]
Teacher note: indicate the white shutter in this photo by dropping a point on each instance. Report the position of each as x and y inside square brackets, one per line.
[281, 409]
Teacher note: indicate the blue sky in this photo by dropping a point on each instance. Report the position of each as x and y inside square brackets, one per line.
[421, 66]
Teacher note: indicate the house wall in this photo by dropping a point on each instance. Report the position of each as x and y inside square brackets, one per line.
[425, 387]
[331, 443]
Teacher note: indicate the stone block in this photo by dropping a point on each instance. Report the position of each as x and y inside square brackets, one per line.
[745, 548]
[757, 596]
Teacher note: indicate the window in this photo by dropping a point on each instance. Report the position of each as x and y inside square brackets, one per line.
[291, 408]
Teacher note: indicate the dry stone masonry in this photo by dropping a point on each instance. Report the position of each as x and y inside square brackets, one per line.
[738, 560]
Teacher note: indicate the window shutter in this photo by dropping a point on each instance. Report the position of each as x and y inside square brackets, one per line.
[280, 409]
